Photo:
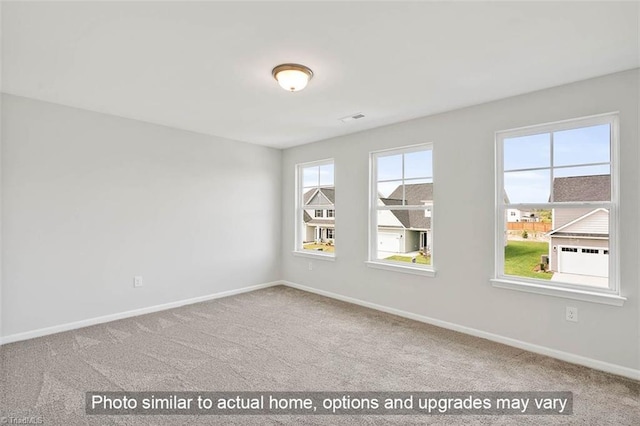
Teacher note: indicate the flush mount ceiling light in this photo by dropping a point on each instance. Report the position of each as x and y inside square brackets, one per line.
[292, 77]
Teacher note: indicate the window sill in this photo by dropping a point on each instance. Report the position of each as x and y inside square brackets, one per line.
[585, 295]
[401, 268]
[314, 255]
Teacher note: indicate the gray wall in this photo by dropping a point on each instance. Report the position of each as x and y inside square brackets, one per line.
[464, 244]
[91, 200]
[1, 315]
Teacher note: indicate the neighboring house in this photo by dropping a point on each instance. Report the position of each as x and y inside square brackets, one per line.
[513, 215]
[319, 223]
[517, 215]
[580, 237]
[527, 216]
[506, 218]
[404, 231]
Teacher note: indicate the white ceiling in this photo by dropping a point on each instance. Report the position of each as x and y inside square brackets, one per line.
[206, 67]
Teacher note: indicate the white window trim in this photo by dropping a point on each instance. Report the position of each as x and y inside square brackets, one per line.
[299, 192]
[388, 266]
[575, 294]
[611, 295]
[320, 256]
[372, 261]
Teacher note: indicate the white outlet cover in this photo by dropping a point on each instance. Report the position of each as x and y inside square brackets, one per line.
[572, 314]
[137, 281]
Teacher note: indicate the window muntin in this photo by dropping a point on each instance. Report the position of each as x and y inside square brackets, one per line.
[315, 232]
[564, 173]
[402, 206]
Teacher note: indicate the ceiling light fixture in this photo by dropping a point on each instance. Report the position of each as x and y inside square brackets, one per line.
[292, 77]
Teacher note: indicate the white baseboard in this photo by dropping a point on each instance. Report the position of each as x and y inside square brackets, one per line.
[564, 356]
[121, 315]
[542, 350]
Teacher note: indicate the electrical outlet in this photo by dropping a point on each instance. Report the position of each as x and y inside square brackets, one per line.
[311, 266]
[572, 314]
[137, 282]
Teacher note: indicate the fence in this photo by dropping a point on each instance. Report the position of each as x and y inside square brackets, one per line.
[529, 226]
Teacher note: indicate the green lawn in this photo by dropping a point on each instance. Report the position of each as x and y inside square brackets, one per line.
[325, 247]
[521, 258]
[424, 260]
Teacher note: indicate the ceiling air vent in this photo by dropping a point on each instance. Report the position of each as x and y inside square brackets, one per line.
[353, 117]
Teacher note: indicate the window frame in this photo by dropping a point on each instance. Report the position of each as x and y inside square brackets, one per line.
[299, 210]
[610, 295]
[372, 260]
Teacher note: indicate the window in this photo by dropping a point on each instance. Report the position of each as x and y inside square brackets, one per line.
[564, 173]
[591, 251]
[315, 234]
[401, 200]
[330, 213]
[570, 249]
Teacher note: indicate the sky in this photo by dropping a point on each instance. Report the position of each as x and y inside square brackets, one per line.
[574, 153]
[315, 176]
[573, 150]
[417, 169]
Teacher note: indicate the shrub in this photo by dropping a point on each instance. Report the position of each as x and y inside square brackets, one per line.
[525, 234]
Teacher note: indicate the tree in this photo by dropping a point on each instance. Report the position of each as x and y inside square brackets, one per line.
[545, 216]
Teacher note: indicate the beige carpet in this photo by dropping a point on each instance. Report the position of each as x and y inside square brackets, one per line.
[281, 339]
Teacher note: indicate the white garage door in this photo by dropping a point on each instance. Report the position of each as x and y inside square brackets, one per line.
[389, 242]
[584, 261]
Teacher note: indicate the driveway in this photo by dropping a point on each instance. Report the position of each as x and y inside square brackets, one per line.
[385, 254]
[581, 279]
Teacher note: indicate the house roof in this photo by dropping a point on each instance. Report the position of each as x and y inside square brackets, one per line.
[593, 224]
[329, 193]
[415, 194]
[582, 188]
[320, 222]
